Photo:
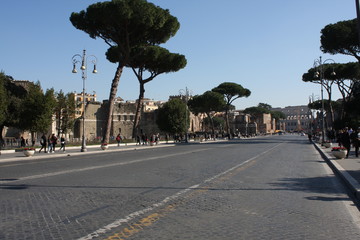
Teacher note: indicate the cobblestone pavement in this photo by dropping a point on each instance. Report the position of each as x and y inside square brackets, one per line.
[265, 188]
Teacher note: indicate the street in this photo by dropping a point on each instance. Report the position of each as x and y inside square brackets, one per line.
[274, 187]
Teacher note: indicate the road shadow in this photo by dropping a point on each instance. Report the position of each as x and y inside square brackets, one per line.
[322, 185]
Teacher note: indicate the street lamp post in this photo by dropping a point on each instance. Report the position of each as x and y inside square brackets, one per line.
[311, 122]
[77, 58]
[318, 63]
[185, 93]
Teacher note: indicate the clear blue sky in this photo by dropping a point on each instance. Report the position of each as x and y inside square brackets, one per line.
[263, 45]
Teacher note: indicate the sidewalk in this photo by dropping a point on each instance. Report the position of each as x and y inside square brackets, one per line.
[348, 168]
[12, 156]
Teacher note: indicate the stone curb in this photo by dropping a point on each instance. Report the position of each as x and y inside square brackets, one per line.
[348, 179]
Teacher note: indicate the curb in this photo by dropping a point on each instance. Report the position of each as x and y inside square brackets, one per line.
[71, 154]
[353, 185]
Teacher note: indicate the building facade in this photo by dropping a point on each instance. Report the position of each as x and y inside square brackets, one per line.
[298, 118]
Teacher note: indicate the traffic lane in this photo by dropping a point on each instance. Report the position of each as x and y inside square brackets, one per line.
[94, 197]
[289, 193]
[175, 162]
[63, 163]
[176, 198]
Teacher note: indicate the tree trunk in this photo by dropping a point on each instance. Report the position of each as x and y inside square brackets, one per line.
[33, 138]
[212, 123]
[227, 124]
[331, 110]
[139, 107]
[112, 96]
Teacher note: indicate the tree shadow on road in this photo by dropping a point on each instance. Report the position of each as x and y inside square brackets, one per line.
[328, 188]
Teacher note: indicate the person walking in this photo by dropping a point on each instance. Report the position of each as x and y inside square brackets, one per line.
[43, 141]
[345, 140]
[138, 141]
[62, 142]
[22, 141]
[118, 139]
[50, 145]
[53, 141]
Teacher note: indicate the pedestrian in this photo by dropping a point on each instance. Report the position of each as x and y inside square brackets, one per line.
[355, 138]
[152, 139]
[43, 141]
[345, 140]
[157, 138]
[118, 139]
[144, 139]
[22, 142]
[53, 141]
[138, 140]
[62, 142]
[50, 145]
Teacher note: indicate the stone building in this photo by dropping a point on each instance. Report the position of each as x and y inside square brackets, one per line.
[243, 125]
[79, 102]
[122, 119]
[266, 124]
[298, 118]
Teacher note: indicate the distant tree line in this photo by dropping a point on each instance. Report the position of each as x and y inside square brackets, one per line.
[173, 117]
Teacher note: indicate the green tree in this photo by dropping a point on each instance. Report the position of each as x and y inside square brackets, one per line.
[256, 111]
[231, 91]
[14, 97]
[37, 109]
[125, 24]
[65, 111]
[278, 115]
[347, 74]
[317, 105]
[267, 109]
[209, 103]
[218, 123]
[172, 117]
[326, 80]
[265, 105]
[147, 63]
[352, 108]
[341, 38]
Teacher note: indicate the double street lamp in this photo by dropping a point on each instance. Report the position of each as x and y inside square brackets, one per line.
[83, 59]
[319, 65]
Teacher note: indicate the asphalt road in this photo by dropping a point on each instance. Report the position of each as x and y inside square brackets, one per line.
[274, 187]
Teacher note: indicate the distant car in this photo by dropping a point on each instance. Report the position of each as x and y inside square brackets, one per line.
[302, 134]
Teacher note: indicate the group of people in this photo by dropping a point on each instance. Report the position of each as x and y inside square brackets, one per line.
[348, 137]
[49, 143]
[144, 140]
